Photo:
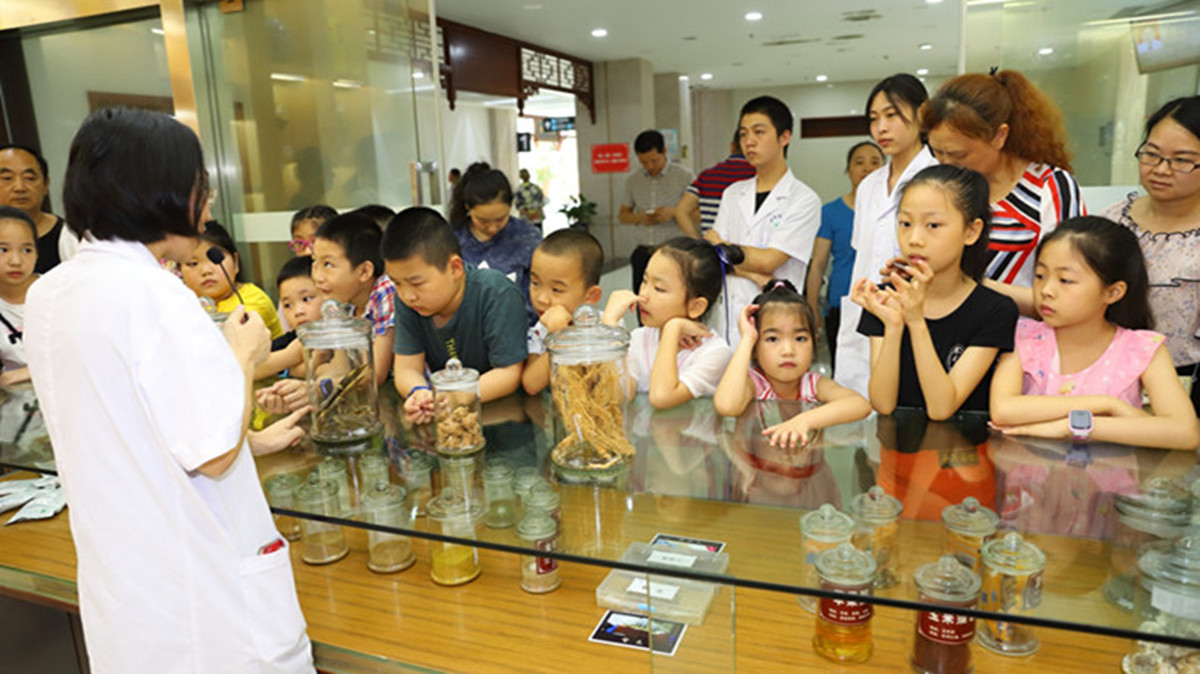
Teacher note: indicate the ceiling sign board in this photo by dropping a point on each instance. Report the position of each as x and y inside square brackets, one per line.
[610, 157]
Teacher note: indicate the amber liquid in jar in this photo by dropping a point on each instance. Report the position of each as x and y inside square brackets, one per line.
[843, 632]
[454, 564]
[942, 644]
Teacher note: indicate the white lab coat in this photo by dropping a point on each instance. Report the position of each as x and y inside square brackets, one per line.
[788, 222]
[138, 389]
[874, 241]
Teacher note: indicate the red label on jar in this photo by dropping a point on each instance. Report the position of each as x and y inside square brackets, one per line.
[946, 628]
[845, 612]
[546, 564]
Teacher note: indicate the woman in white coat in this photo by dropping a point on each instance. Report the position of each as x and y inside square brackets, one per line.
[180, 568]
[892, 110]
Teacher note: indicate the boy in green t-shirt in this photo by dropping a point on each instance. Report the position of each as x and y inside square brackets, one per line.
[450, 310]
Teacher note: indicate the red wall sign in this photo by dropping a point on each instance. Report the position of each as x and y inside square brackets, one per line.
[610, 157]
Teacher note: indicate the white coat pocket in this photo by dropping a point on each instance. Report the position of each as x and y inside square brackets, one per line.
[273, 616]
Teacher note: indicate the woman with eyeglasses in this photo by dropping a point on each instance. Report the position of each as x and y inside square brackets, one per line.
[1166, 221]
[1002, 126]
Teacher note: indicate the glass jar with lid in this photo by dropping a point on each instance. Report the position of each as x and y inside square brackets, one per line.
[320, 542]
[452, 563]
[335, 471]
[498, 490]
[387, 552]
[460, 486]
[538, 574]
[1012, 571]
[843, 629]
[417, 470]
[1171, 580]
[456, 407]
[340, 376]
[543, 498]
[968, 526]
[281, 493]
[822, 529]
[876, 522]
[373, 469]
[1159, 511]
[942, 642]
[589, 387]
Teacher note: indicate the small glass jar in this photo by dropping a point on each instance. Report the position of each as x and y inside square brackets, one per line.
[1171, 580]
[281, 493]
[373, 470]
[333, 470]
[340, 376]
[942, 642]
[320, 542]
[387, 552]
[524, 480]
[587, 383]
[456, 406]
[452, 563]
[968, 526]
[502, 502]
[459, 485]
[417, 471]
[1159, 511]
[542, 498]
[1012, 571]
[539, 574]
[822, 529]
[843, 631]
[876, 522]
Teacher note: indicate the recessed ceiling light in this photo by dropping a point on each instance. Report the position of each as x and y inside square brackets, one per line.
[683, 78]
[706, 76]
[1046, 51]
[417, 74]
[599, 32]
[754, 16]
[933, 2]
[925, 46]
[922, 71]
[285, 77]
[158, 31]
[822, 78]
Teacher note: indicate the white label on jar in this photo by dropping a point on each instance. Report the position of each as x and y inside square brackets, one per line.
[671, 559]
[1174, 603]
[657, 590]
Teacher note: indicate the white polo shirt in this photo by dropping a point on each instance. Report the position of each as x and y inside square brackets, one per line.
[139, 388]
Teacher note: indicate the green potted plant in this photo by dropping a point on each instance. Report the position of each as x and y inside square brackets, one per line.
[579, 211]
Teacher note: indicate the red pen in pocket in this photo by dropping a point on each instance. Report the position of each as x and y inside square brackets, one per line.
[273, 546]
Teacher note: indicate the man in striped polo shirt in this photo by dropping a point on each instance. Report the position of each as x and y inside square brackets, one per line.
[706, 190]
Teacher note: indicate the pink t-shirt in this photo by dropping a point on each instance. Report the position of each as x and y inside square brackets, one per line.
[764, 391]
[1117, 372]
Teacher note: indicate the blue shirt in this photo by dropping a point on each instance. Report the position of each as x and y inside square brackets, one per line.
[509, 252]
[837, 225]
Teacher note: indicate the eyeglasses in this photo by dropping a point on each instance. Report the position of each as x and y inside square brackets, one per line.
[300, 245]
[1177, 164]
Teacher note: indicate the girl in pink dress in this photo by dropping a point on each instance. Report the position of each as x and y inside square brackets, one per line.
[1092, 349]
[771, 363]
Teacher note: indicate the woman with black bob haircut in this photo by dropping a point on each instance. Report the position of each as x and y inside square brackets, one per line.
[147, 402]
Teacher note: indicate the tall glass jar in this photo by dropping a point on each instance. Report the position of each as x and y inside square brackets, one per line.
[502, 502]
[373, 469]
[334, 471]
[1171, 579]
[538, 574]
[968, 526]
[1160, 511]
[281, 493]
[876, 522]
[587, 383]
[456, 408]
[452, 563]
[843, 631]
[340, 376]
[417, 470]
[320, 542]
[942, 643]
[1012, 584]
[387, 552]
[822, 529]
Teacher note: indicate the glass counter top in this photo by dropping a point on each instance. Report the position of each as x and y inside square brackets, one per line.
[696, 475]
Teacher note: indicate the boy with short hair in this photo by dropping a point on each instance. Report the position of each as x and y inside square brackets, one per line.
[450, 309]
[347, 267]
[564, 273]
[300, 302]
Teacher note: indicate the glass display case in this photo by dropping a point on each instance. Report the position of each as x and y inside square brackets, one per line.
[716, 485]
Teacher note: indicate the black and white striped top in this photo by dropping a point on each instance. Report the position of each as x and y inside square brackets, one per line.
[1044, 197]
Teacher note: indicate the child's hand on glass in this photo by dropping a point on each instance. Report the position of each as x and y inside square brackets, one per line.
[794, 432]
[747, 326]
[556, 318]
[881, 302]
[418, 407]
[619, 302]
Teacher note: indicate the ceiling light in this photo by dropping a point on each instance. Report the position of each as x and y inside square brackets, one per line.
[754, 16]
[822, 78]
[683, 78]
[933, 2]
[925, 46]
[417, 74]
[285, 77]
[158, 31]
[706, 76]
[922, 71]
[1045, 51]
[599, 32]
[343, 83]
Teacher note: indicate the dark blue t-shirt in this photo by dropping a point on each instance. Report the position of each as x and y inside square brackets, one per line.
[509, 252]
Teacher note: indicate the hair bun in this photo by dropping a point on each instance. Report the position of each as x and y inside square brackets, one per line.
[777, 283]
